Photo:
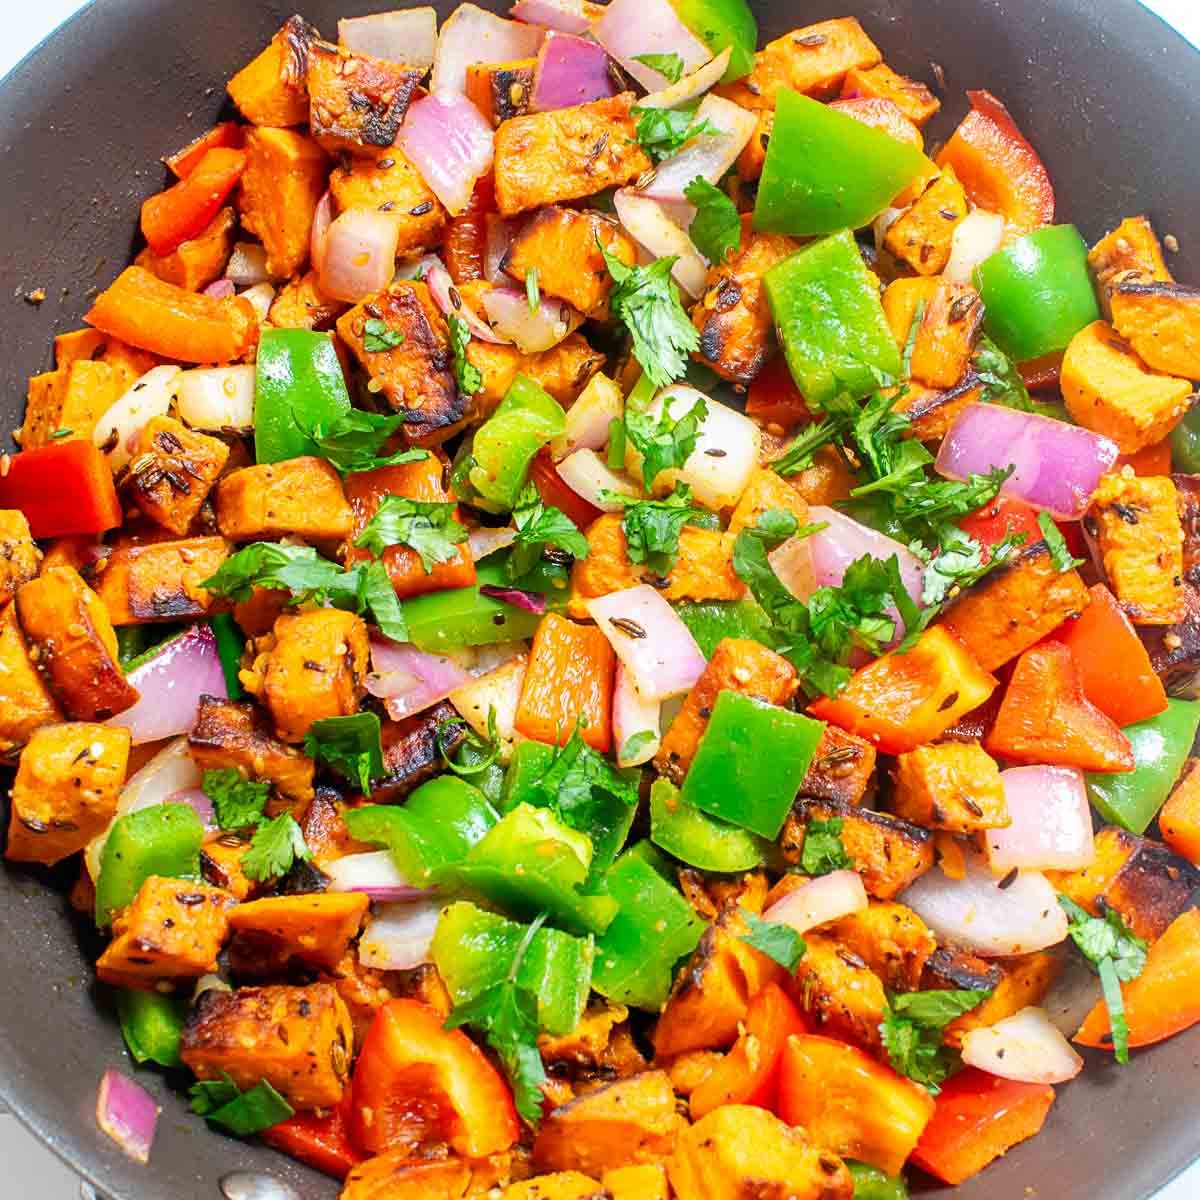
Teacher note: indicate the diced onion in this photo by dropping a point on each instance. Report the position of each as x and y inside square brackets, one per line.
[820, 900]
[375, 874]
[632, 714]
[1051, 826]
[570, 70]
[450, 300]
[630, 29]
[220, 289]
[493, 699]
[117, 431]
[487, 540]
[359, 257]
[408, 35]
[590, 417]
[650, 225]
[587, 475]
[531, 331]
[1026, 1046]
[398, 935]
[408, 680]
[567, 16]
[793, 566]
[198, 801]
[473, 35]
[217, 397]
[261, 296]
[976, 237]
[690, 86]
[499, 238]
[248, 264]
[319, 236]
[449, 142]
[128, 1114]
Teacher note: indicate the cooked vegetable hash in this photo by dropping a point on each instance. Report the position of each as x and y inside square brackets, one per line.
[595, 622]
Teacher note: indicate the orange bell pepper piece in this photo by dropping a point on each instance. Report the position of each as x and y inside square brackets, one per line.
[998, 167]
[774, 398]
[187, 208]
[850, 1103]
[1111, 661]
[1150, 460]
[570, 676]
[976, 1119]
[749, 1073]
[139, 308]
[183, 162]
[1164, 999]
[417, 1083]
[554, 493]
[321, 1142]
[902, 701]
[465, 247]
[995, 521]
[1179, 818]
[1045, 717]
[63, 488]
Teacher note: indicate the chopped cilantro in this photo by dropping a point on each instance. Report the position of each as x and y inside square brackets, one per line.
[664, 442]
[716, 228]
[468, 376]
[378, 338]
[777, 941]
[426, 526]
[533, 294]
[237, 802]
[274, 848]
[912, 1032]
[352, 441]
[661, 131]
[540, 526]
[652, 527]
[223, 1103]
[823, 849]
[670, 66]
[351, 745]
[1060, 556]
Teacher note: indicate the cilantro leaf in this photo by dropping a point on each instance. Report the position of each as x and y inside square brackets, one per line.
[533, 294]
[799, 455]
[646, 300]
[1002, 382]
[959, 562]
[237, 802]
[351, 745]
[377, 596]
[670, 66]
[480, 752]
[221, 1102]
[652, 527]
[353, 439]
[823, 849]
[1060, 556]
[378, 338]
[661, 131]
[716, 229]
[777, 941]
[924, 506]
[910, 342]
[426, 526]
[274, 848]
[468, 376]
[664, 443]
[540, 526]
[912, 1032]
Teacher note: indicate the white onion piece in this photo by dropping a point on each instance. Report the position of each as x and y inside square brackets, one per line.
[375, 874]
[1051, 826]
[450, 143]
[632, 714]
[531, 332]
[248, 264]
[217, 397]
[472, 35]
[261, 297]
[398, 936]
[359, 258]
[417, 268]
[499, 238]
[567, 16]
[319, 236]
[793, 566]
[589, 418]
[820, 900]
[690, 86]
[1026, 1046]
[408, 35]
[708, 155]
[717, 479]
[632, 28]
[589, 476]
[128, 1114]
[883, 223]
[408, 680]
[977, 913]
[150, 396]
[495, 697]
[487, 540]
[976, 237]
[449, 299]
[651, 640]
[649, 224]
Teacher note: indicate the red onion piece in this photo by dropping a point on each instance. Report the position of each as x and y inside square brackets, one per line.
[319, 235]
[544, 327]
[650, 639]
[589, 476]
[171, 684]
[408, 35]
[499, 238]
[650, 225]
[375, 874]
[690, 86]
[398, 936]
[199, 803]
[248, 264]
[417, 268]
[1057, 465]
[533, 602]
[819, 901]
[1051, 826]
[629, 28]
[408, 680]
[566, 16]
[128, 1114]
[220, 289]
[450, 143]
[448, 298]
[473, 35]
[570, 70]
[1027, 1047]
[360, 254]
[632, 713]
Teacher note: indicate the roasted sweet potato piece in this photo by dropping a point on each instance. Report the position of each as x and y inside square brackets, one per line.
[953, 786]
[72, 643]
[710, 894]
[562, 1185]
[1023, 980]
[765, 491]
[838, 992]
[921, 236]
[231, 733]
[737, 334]
[301, 304]
[1135, 521]
[357, 103]
[754, 153]
[1130, 252]
[911, 96]
[931, 411]
[1179, 819]
[600, 1045]
[952, 968]
[296, 1038]
[812, 60]
[271, 89]
[173, 929]
[501, 90]
[566, 154]
[221, 864]
[160, 581]
[563, 370]
[393, 185]
[312, 931]
[19, 556]
[73, 399]
[946, 337]
[194, 264]
[1015, 606]
[648, 1182]
[737, 665]
[171, 472]
[301, 497]
[842, 769]
[1162, 323]
[65, 791]
[397, 1175]
[410, 751]
[25, 701]
[891, 939]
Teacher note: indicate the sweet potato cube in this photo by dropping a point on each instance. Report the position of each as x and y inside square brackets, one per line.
[842, 769]
[765, 491]
[563, 370]
[921, 236]
[19, 556]
[954, 786]
[754, 153]
[25, 700]
[174, 929]
[946, 337]
[412, 753]
[501, 90]
[562, 1185]
[300, 304]
[1023, 980]
[1161, 321]
[196, 263]
[393, 185]
[647, 1182]
[271, 89]
[838, 992]
[66, 404]
[1179, 820]
[65, 791]
[171, 472]
[910, 96]
[891, 939]
[931, 411]
[160, 581]
[221, 864]
[309, 930]
[1131, 252]
[397, 1175]
[301, 497]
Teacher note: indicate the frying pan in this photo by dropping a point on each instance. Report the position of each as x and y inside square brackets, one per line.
[1109, 95]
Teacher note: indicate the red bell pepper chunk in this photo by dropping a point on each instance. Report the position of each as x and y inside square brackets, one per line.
[1041, 374]
[995, 521]
[228, 134]
[63, 488]
[555, 493]
[321, 1142]
[998, 167]
[749, 1073]
[187, 209]
[774, 398]
[416, 1082]
[1111, 661]
[1045, 717]
[976, 1119]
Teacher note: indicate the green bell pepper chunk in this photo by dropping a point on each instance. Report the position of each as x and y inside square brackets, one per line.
[1161, 746]
[529, 762]
[230, 644]
[825, 171]
[298, 384]
[1185, 444]
[451, 620]
[434, 829]
[531, 863]
[505, 444]
[712, 620]
[870, 1183]
[697, 839]
[831, 323]
[721, 23]
[732, 778]
[152, 1025]
[161, 840]
[654, 929]
[473, 951]
[1037, 292]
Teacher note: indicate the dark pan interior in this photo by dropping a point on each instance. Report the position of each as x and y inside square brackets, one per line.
[1107, 93]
